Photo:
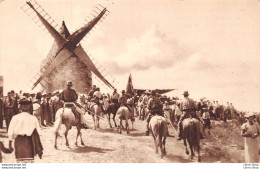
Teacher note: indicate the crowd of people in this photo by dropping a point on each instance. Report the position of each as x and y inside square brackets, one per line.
[49, 104]
[150, 103]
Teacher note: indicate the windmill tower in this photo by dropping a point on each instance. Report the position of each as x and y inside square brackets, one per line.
[67, 60]
[73, 69]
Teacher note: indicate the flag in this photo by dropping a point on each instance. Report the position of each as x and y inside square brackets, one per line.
[129, 87]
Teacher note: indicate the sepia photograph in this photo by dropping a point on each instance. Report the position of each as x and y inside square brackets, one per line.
[130, 82]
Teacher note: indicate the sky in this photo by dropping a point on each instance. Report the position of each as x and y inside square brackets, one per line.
[207, 47]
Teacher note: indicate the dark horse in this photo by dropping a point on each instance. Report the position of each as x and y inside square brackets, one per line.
[112, 109]
[219, 112]
[191, 133]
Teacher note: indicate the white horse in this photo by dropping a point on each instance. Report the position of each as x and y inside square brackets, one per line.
[96, 112]
[158, 126]
[66, 116]
[124, 114]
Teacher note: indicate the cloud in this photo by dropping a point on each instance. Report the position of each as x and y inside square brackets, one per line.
[152, 49]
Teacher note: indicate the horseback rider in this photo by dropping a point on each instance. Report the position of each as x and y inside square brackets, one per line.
[69, 96]
[144, 101]
[97, 98]
[155, 108]
[188, 107]
[92, 91]
[115, 97]
[122, 99]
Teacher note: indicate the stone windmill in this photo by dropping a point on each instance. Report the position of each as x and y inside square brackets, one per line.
[67, 60]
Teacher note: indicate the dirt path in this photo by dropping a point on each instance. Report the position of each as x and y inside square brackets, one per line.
[108, 146]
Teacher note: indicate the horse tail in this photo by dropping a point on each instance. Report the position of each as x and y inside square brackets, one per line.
[160, 133]
[195, 135]
[58, 120]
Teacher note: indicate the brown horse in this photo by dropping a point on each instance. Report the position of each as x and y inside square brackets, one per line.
[67, 117]
[191, 133]
[112, 109]
[158, 126]
[219, 112]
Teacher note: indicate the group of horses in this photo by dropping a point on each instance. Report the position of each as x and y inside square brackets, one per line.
[158, 125]
[65, 116]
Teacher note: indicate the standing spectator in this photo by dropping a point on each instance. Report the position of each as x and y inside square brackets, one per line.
[44, 109]
[1, 112]
[250, 132]
[168, 112]
[228, 110]
[24, 130]
[232, 110]
[178, 111]
[106, 103]
[16, 101]
[9, 109]
[56, 103]
[49, 110]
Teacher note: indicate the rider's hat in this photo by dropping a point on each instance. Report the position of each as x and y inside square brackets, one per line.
[123, 91]
[69, 83]
[185, 93]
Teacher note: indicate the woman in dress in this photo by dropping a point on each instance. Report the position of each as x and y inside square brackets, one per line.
[250, 132]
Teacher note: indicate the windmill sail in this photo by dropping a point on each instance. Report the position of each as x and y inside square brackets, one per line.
[65, 47]
[83, 56]
[54, 33]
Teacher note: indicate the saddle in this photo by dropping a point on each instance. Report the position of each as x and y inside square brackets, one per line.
[71, 106]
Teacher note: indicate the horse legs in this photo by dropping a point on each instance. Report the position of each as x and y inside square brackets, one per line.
[93, 117]
[114, 116]
[127, 126]
[109, 120]
[78, 133]
[120, 126]
[139, 112]
[156, 146]
[163, 145]
[97, 120]
[191, 149]
[198, 149]
[66, 135]
[56, 137]
[185, 144]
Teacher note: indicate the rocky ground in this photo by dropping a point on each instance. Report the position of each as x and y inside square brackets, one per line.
[106, 145]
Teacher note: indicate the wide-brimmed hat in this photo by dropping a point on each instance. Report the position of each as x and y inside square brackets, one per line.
[185, 93]
[24, 101]
[69, 83]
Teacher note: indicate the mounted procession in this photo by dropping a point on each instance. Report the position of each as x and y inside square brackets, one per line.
[64, 97]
